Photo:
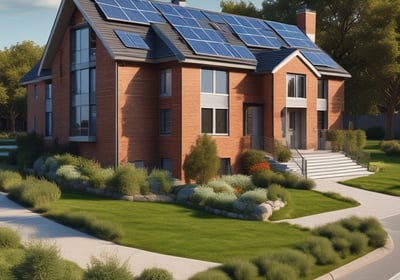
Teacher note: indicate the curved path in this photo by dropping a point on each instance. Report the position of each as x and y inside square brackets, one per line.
[79, 247]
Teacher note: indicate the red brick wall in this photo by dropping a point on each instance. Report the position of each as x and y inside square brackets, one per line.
[335, 103]
[36, 109]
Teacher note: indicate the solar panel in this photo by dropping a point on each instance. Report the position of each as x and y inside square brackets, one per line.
[214, 17]
[253, 32]
[319, 58]
[136, 11]
[131, 40]
[292, 35]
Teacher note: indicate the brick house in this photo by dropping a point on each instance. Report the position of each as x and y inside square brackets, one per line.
[137, 81]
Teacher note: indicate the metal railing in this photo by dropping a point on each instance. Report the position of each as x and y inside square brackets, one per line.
[300, 161]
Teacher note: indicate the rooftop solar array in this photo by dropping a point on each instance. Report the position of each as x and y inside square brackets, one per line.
[319, 58]
[253, 32]
[131, 40]
[205, 41]
[135, 11]
[292, 35]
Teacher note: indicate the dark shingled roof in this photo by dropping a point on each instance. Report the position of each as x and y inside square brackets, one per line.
[33, 75]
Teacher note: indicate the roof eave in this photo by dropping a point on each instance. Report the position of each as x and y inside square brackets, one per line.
[296, 53]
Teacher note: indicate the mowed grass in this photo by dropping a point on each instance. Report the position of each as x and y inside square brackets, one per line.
[387, 180]
[306, 203]
[179, 231]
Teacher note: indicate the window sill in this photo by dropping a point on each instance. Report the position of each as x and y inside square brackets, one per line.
[82, 138]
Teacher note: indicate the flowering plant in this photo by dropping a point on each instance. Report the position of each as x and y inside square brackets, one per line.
[261, 166]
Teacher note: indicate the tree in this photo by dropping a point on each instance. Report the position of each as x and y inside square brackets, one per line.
[15, 62]
[202, 163]
[241, 8]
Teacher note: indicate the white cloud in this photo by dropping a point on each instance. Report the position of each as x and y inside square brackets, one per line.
[26, 5]
[48, 3]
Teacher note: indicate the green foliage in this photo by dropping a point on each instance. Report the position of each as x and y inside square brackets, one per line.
[305, 184]
[41, 262]
[163, 179]
[108, 268]
[87, 222]
[282, 153]
[202, 162]
[375, 232]
[291, 180]
[100, 177]
[239, 181]
[30, 147]
[239, 269]
[274, 269]
[9, 179]
[66, 159]
[202, 194]
[265, 178]
[276, 192]
[155, 274]
[250, 158]
[391, 148]
[129, 180]
[247, 202]
[321, 249]
[35, 192]
[349, 141]
[375, 133]
[211, 274]
[220, 186]
[223, 201]
[9, 238]
[68, 173]
[240, 8]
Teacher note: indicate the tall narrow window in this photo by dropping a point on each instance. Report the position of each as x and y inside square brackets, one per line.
[49, 110]
[165, 122]
[322, 89]
[166, 82]
[83, 85]
[296, 86]
[214, 102]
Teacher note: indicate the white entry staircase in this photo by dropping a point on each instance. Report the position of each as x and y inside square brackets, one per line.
[326, 164]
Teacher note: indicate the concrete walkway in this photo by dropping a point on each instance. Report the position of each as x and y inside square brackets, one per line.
[79, 247]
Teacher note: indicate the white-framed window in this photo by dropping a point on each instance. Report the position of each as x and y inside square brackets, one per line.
[166, 82]
[165, 122]
[214, 102]
[296, 86]
[322, 89]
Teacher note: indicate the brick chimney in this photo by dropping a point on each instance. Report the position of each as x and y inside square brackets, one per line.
[179, 2]
[307, 21]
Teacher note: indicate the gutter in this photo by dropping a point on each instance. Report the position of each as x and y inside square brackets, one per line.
[116, 163]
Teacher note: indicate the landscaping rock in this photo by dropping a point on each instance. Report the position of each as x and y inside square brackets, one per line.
[185, 194]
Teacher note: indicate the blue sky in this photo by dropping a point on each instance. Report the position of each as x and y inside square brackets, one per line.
[22, 20]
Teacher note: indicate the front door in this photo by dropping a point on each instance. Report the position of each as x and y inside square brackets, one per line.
[254, 125]
[295, 129]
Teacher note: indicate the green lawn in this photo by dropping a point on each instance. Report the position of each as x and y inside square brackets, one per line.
[387, 179]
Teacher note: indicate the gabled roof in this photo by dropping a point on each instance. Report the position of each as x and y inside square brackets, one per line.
[33, 75]
[167, 41]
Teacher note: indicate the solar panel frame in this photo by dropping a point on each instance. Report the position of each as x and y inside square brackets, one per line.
[319, 58]
[131, 40]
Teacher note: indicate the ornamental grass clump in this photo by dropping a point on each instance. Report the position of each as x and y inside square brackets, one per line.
[129, 180]
[222, 201]
[9, 238]
[240, 183]
[68, 173]
[107, 268]
[276, 192]
[251, 157]
[211, 274]
[274, 270]
[321, 249]
[201, 195]
[155, 273]
[263, 179]
[220, 186]
[100, 177]
[36, 192]
[240, 269]
[162, 178]
[305, 184]
[247, 202]
[9, 179]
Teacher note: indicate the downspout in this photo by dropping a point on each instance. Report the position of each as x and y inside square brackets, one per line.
[116, 117]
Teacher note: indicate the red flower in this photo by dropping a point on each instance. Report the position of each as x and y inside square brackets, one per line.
[261, 166]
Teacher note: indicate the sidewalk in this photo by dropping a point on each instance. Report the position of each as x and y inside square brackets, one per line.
[79, 247]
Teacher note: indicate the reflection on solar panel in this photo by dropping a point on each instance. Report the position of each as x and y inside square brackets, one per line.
[253, 32]
[137, 11]
[319, 58]
[131, 40]
[292, 35]
[213, 17]
[204, 41]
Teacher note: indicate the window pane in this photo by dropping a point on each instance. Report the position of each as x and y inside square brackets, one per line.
[166, 82]
[225, 168]
[207, 80]
[165, 122]
[206, 120]
[322, 89]
[221, 125]
[221, 78]
[290, 86]
[301, 86]
[84, 81]
[92, 126]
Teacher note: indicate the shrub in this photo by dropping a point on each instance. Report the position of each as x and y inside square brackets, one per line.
[163, 179]
[291, 180]
[211, 274]
[239, 269]
[375, 232]
[249, 200]
[282, 153]
[67, 159]
[276, 192]
[41, 262]
[100, 178]
[265, 178]
[321, 249]
[336, 138]
[109, 268]
[375, 133]
[240, 183]
[305, 184]
[86, 222]
[261, 166]
[68, 173]
[36, 192]
[9, 179]
[358, 242]
[39, 167]
[339, 197]
[352, 223]
[220, 186]
[9, 238]
[155, 274]
[223, 201]
[250, 158]
[298, 260]
[202, 194]
[281, 271]
[30, 147]
[202, 163]
[391, 148]
[129, 180]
